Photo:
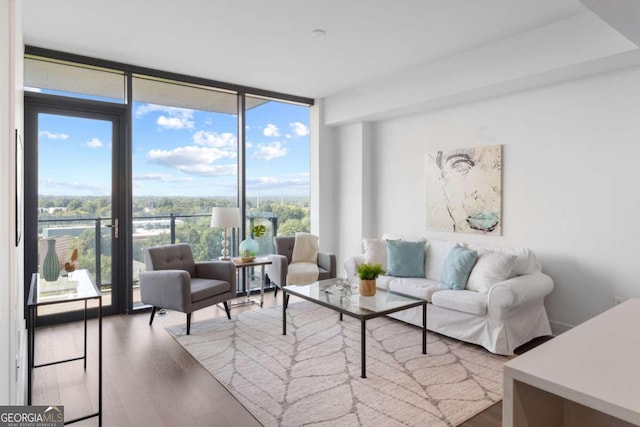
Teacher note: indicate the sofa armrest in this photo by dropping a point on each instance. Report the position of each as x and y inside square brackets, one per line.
[520, 290]
[351, 263]
[219, 270]
[167, 289]
[328, 262]
[277, 270]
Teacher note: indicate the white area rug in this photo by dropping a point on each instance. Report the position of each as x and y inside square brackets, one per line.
[311, 376]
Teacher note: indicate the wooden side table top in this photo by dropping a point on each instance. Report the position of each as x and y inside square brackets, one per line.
[257, 261]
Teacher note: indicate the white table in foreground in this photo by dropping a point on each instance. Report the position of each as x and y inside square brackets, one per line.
[588, 376]
[256, 262]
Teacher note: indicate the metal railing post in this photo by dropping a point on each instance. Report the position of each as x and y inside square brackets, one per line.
[98, 253]
[172, 222]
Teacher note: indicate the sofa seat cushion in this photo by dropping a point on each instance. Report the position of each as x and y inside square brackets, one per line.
[206, 288]
[382, 282]
[466, 301]
[415, 287]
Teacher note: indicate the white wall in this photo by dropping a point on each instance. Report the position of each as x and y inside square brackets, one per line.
[355, 214]
[571, 164]
[12, 332]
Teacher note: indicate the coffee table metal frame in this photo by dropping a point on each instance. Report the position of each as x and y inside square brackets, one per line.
[356, 310]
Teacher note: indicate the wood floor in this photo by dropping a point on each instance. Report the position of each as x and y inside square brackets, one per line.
[148, 378]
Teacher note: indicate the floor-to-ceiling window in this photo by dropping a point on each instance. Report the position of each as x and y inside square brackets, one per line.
[185, 161]
[277, 169]
[185, 145]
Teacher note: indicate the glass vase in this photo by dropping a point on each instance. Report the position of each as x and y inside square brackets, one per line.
[249, 248]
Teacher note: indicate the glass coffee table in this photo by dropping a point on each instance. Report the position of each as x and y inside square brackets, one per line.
[339, 296]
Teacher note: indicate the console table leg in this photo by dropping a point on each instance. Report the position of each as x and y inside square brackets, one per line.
[363, 347]
[424, 329]
[284, 312]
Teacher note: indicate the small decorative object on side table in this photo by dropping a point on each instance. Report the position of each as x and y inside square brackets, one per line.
[249, 248]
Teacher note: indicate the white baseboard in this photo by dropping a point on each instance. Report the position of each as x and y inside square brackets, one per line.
[21, 380]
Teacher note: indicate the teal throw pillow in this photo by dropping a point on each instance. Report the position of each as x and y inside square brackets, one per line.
[405, 259]
[457, 267]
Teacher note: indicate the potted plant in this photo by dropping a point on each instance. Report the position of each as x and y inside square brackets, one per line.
[368, 273]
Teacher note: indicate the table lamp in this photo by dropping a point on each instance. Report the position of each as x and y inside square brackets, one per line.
[224, 217]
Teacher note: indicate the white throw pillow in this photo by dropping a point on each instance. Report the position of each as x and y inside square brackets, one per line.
[375, 252]
[491, 268]
[305, 248]
[525, 262]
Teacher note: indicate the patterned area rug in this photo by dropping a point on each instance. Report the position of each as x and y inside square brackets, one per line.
[311, 376]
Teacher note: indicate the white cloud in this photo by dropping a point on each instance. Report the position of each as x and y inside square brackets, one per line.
[214, 139]
[52, 135]
[94, 143]
[50, 184]
[299, 129]
[271, 130]
[195, 160]
[180, 122]
[291, 182]
[269, 151]
[162, 177]
[173, 117]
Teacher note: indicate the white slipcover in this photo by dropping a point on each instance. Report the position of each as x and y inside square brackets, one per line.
[510, 314]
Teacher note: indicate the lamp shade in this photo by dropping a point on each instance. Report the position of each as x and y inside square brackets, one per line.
[224, 217]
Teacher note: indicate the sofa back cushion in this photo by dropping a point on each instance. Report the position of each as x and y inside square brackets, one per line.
[375, 252]
[405, 259]
[525, 262]
[436, 254]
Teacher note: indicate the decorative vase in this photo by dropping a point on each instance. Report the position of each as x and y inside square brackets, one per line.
[249, 248]
[51, 265]
[367, 287]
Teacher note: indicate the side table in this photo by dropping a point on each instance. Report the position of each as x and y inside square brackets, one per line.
[78, 286]
[256, 262]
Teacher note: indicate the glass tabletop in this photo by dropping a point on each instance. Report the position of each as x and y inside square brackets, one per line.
[77, 285]
[344, 296]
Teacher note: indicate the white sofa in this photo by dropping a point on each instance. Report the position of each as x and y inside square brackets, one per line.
[500, 317]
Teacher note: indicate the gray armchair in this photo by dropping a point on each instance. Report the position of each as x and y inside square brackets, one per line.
[282, 258]
[175, 281]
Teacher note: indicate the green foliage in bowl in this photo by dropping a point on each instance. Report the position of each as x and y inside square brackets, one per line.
[369, 271]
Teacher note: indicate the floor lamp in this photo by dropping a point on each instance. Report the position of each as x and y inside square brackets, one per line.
[222, 217]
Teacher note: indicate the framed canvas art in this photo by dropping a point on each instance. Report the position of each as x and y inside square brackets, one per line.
[464, 190]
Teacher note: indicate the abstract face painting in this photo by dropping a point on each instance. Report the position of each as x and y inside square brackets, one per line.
[464, 190]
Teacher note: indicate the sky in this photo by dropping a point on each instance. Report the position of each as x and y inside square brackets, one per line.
[179, 152]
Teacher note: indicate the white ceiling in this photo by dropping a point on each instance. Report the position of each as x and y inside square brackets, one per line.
[269, 44]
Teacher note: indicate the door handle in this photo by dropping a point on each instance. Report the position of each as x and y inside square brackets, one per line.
[114, 226]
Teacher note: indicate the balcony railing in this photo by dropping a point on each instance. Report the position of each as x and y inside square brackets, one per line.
[92, 238]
